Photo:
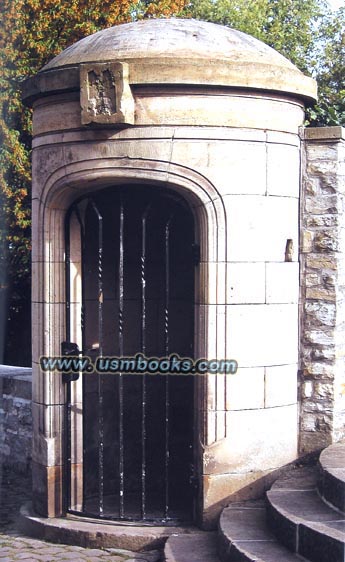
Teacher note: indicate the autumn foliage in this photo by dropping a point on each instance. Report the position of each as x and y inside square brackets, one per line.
[31, 33]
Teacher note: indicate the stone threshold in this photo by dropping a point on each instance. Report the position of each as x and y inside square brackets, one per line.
[92, 533]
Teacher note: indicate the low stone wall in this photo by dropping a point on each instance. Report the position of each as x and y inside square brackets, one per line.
[15, 417]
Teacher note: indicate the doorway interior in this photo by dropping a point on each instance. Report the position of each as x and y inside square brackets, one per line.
[137, 251]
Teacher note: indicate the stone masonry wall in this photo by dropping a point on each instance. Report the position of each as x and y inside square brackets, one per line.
[15, 418]
[322, 351]
[322, 312]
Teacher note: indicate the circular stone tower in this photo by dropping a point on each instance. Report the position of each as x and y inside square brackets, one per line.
[206, 119]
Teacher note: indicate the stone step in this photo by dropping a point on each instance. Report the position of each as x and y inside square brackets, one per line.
[196, 547]
[94, 533]
[245, 537]
[332, 475]
[304, 523]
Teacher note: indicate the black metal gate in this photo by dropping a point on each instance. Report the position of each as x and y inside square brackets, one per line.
[137, 269]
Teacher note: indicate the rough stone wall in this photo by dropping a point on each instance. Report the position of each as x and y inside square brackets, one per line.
[15, 417]
[322, 350]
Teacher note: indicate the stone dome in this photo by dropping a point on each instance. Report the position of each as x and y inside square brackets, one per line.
[173, 38]
[189, 52]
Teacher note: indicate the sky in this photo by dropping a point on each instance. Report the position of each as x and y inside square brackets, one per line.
[335, 4]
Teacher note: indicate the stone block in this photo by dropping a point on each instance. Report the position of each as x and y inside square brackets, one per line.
[211, 288]
[323, 221]
[48, 428]
[214, 134]
[48, 327]
[76, 486]
[37, 341]
[327, 205]
[244, 536]
[245, 283]
[16, 384]
[332, 475]
[234, 167]
[249, 238]
[319, 293]
[262, 335]
[320, 314]
[317, 406]
[311, 279]
[307, 238]
[288, 139]
[196, 547]
[105, 95]
[307, 389]
[283, 170]
[280, 385]
[213, 239]
[313, 440]
[311, 185]
[215, 424]
[94, 535]
[228, 111]
[245, 389]
[317, 542]
[222, 489]
[47, 490]
[46, 386]
[211, 322]
[322, 151]
[320, 337]
[282, 282]
[291, 514]
[76, 433]
[255, 440]
[324, 390]
[62, 115]
[326, 167]
[324, 134]
[327, 241]
[321, 262]
[37, 254]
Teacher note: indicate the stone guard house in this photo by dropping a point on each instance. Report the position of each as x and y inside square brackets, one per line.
[193, 133]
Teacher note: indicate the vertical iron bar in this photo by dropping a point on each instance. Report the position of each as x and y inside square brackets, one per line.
[68, 273]
[100, 390]
[143, 350]
[67, 497]
[82, 327]
[166, 341]
[82, 257]
[121, 305]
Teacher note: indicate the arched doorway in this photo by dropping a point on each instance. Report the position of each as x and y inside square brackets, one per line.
[130, 253]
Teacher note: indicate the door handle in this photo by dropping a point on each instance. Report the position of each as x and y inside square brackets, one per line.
[69, 349]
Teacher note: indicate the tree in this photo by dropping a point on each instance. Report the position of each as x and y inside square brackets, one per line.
[305, 31]
[330, 71]
[31, 33]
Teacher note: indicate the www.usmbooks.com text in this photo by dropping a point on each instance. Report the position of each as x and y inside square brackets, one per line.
[138, 365]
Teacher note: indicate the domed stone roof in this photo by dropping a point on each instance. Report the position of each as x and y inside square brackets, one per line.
[187, 51]
[173, 38]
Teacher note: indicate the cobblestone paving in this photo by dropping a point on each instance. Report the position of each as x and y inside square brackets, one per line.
[14, 491]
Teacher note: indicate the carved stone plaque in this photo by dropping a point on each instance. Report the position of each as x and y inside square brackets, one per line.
[105, 94]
